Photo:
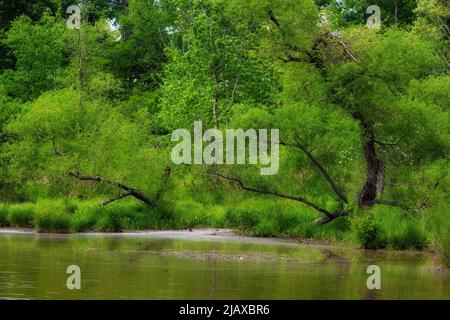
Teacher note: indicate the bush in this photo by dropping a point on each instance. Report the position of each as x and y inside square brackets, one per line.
[21, 215]
[368, 232]
[403, 230]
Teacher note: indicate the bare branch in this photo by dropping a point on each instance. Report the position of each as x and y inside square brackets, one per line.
[343, 44]
[273, 18]
[120, 196]
[328, 214]
[132, 192]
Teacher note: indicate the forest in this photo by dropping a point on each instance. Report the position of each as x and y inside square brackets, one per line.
[87, 116]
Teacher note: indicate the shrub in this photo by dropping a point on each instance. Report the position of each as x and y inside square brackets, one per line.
[189, 214]
[247, 215]
[403, 230]
[368, 232]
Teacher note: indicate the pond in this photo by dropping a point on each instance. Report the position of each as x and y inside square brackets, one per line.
[206, 265]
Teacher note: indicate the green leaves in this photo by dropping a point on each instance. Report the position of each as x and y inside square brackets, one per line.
[41, 51]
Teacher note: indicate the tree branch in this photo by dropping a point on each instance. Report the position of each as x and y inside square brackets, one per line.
[273, 18]
[120, 196]
[329, 216]
[341, 197]
[344, 46]
[131, 191]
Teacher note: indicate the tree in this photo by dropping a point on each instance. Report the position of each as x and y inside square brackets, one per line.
[353, 12]
[138, 54]
[214, 68]
[354, 76]
[41, 51]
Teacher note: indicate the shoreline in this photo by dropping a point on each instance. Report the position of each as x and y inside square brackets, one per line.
[229, 235]
[208, 234]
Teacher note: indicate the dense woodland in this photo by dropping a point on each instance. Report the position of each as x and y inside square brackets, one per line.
[87, 115]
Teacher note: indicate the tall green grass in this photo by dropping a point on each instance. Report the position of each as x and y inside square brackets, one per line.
[378, 228]
[21, 215]
[390, 227]
[437, 221]
[52, 216]
[3, 215]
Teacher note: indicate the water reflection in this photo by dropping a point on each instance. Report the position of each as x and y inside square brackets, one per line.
[33, 267]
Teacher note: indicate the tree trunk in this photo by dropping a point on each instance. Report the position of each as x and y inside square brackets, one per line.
[375, 172]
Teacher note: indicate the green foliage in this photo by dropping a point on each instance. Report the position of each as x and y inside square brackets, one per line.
[3, 215]
[404, 231]
[41, 51]
[368, 232]
[104, 100]
[347, 12]
[56, 222]
[437, 221]
[408, 236]
[21, 215]
[109, 220]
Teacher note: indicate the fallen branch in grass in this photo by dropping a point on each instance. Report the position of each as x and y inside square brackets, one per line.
[328, 216]
[128, 190]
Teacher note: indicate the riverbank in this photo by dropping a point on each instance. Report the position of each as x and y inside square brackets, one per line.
[328, 250]
[381, 228]
[207, 234]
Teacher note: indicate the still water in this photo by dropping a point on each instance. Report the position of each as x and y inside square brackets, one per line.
[206, 266]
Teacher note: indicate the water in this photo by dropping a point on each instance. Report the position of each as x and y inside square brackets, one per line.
[179, 266]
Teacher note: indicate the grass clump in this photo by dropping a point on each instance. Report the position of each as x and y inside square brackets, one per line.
[245, 216]
[437, 221]
[85, 216]
[21, 215]
[4, 215]
[52, 216]
[109, 219]
[409, 235]
[404, 231]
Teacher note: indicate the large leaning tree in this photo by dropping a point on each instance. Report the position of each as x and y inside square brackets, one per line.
[358, 107]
